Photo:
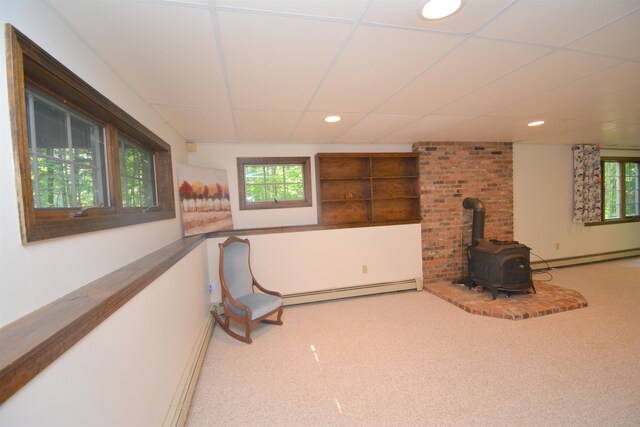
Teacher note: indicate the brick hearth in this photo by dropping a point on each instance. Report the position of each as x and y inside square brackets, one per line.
[549, 299]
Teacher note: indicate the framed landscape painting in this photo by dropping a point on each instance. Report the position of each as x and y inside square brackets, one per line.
[204, 200]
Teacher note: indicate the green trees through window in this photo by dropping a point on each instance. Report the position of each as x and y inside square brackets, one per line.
[274, 182]
[620, 189]
[136, 175]
[67, 154]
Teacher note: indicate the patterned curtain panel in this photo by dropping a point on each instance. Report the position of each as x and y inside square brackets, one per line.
[586, 184]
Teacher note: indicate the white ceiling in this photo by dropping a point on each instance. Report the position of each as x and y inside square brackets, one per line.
[270, 70]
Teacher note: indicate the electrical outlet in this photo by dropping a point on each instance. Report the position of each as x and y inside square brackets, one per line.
[365, 269]
[557, 246]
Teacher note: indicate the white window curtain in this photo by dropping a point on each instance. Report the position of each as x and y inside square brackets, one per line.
[587, 195]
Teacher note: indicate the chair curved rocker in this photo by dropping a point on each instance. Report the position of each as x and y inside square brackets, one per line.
[239, 299]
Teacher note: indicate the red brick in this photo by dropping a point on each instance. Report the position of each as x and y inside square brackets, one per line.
[449, 172]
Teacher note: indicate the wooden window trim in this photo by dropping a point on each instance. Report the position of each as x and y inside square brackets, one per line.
[306, 166]
[625, 219]
[28, 64]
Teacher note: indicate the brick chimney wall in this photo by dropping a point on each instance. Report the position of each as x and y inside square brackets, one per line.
[449, 172]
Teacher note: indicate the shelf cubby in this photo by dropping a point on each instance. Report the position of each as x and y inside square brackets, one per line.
[368, 188]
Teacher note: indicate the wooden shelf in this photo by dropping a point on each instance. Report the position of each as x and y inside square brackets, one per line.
[368, 188]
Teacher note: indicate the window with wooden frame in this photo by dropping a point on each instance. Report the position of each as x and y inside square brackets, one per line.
[620, 189]
[82, 163]
[274, 182]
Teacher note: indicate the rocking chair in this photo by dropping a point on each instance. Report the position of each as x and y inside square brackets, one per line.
[239, 300]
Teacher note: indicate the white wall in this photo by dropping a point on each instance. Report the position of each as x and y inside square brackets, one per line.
[126, 371]
[223, 156]
[314, 260]
[35, 274]
[319, 260]
[543, 206]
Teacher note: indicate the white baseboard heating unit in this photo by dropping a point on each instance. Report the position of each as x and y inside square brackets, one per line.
[353, 291]
[585, 259]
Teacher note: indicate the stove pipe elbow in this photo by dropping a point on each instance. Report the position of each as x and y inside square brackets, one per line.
[478, 219]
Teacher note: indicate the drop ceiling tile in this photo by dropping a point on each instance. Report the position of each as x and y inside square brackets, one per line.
[570, 112]
[550, 127]
[313, 129]
[154, 59]
[550, 71]
[606, 134]
[622, 106]
[621, 134]
[629, 96]
[265, 125]
[627, 114]
[565, 139]
[585, 135]
[620, 39]
[469, 67]
[341, 9]
[276, 62]
[199, 124]
[406, 13]
[554, 22]
[280, 51]
[478, 129]
[381, 60]
[613, 79]
[189, 3]
[423, 129]
[375, 127]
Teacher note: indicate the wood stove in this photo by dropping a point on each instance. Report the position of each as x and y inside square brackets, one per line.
[497, 265]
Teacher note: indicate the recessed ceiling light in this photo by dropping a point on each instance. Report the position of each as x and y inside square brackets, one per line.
[438, 9]
[332, 119]
[537, 123]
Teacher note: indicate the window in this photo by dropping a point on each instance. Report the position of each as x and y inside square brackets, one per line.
[82, 164]
[67, 156]
[620, 189]
[136, 174]
[274, 182]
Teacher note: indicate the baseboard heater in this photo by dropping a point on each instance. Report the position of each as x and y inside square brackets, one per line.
[353, 291]
[179, 408]
[585, 259]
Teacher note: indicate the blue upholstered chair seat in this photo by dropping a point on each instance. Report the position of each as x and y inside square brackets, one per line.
[259, 304]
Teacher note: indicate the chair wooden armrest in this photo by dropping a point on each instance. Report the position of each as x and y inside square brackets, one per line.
[266, 291]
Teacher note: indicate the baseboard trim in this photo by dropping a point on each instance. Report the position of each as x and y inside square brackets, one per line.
[585, 259]
[352, 291]
[177, 413]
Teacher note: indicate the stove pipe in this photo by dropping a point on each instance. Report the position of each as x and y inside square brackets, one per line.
[478, 219]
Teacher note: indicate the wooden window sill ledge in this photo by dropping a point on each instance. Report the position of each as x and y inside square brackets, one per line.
[34, 341]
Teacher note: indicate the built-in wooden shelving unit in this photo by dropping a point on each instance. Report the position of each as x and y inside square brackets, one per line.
[365, 188]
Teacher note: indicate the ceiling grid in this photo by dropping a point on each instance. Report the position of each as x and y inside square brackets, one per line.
[270, 70]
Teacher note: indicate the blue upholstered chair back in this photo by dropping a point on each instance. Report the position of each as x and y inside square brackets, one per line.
[236, 271]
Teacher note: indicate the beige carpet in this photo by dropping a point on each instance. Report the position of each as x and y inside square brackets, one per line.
[413, 359]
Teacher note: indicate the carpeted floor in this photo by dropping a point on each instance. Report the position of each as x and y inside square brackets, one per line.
[413, 359]
[548, 299]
